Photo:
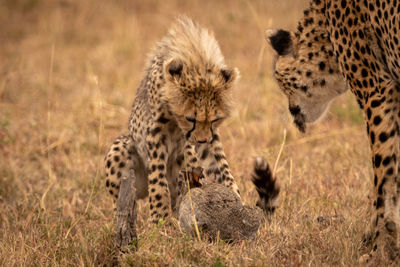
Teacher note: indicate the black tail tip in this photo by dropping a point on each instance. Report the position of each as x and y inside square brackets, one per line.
[266, 185]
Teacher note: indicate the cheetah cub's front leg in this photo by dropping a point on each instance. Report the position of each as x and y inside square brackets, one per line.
[159, 193]
[207, 162]
[226, 177]
[204, 164]
[213, 160]
[191, 173]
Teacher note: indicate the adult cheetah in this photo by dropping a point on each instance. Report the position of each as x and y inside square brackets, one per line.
[179, 105]
[355, 44]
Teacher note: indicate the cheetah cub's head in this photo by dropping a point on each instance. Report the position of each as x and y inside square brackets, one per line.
[307, 72]
[199, 96]
[197, 82]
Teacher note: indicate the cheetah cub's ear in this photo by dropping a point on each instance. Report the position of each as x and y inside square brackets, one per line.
[173, 69]
[281, 41]
[230, 76]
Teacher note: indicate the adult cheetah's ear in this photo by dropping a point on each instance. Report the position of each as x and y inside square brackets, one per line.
[173, 69]
[230, 75]
[280, 40]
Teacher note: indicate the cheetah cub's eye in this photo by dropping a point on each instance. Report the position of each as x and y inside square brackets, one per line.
[217, 119]
[191, 119]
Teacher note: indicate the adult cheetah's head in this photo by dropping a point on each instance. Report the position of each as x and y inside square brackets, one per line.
[306, 71]
[199, 96]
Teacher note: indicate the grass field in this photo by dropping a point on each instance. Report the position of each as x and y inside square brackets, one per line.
[68, 75]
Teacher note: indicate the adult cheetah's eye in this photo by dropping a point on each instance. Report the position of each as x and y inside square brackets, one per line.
[191, 119]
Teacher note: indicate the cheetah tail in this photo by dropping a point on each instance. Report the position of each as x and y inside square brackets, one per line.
[266, 185]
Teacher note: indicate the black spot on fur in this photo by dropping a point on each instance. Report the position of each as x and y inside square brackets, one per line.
[379, 203]
[163, 120]
[322, 65]
[204, 154]
[377, 161]
[155, 131]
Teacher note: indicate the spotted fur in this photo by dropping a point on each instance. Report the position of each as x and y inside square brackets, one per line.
[355, 44]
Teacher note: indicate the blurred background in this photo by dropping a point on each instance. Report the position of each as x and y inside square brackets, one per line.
[68, 75]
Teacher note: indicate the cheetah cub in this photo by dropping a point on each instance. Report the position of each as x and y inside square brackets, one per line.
[179, 105]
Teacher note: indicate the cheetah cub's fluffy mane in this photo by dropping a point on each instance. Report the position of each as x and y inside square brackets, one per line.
[187, 40]
[194, 65]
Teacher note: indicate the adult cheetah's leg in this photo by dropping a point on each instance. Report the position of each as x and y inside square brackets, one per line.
[383, 129]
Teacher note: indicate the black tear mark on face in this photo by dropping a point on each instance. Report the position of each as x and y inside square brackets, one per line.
[299, 118]
[294, 110]
[189, 133]
[300, 122]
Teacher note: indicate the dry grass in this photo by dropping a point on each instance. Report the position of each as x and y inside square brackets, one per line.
[68, 73]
